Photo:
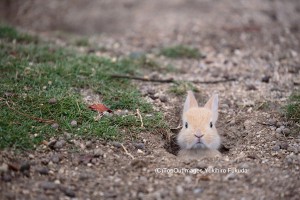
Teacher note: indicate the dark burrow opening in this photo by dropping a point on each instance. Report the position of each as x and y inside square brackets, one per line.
[172, 147]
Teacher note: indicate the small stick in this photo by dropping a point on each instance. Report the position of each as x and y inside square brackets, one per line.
[266, 124]
[127, 151]
[140, 116]
[48, 121]
[171, 80]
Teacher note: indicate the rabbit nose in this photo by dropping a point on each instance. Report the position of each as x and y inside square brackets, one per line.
[198, 134]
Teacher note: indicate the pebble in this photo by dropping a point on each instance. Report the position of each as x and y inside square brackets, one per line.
[197, 190]
[67, 135]
[25, 167]
[292, 149]
[68, 192]
[284, 145]
[88, 144]
[98, 152]
[51, 144]
[55, 158]
[55, 125]
[188, 179]
[139, 145]
[272, 122]
[163, 98]
[251, 87]
[230, 176]
[150, 91]
[6, 177]
[46, 185]
[278, 124]
[52, 101]
[73, 123]
[116, 144]
[45, 161]
[140, 151]
[266, 79]
[276, 148]
[179, 190]
[278, 130]
[4, 167]
[59, 144]
[43, 171]
[286, 131]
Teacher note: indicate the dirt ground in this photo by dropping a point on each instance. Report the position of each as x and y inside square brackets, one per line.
[256, 42]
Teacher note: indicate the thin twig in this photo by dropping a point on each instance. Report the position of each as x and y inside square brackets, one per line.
[265, 124]
[129, 154]
[48, 121]
[170, 80]
[140, 116]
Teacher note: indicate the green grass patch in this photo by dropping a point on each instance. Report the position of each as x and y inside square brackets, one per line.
[180, 88]
[33, 72]
[83, 42]
[292, 109]
[10, 34]
[181, 51]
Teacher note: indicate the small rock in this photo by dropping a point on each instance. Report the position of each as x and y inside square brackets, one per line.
[4, 168]
[136, 55]
[139, 145]
[179, 190]
[278, 130]
[94, 161]
[67, 136]
[6, 177]
[230, 176]
[197, 190]
[163, 98]
[272, 122]
[116, 144]
[51, 144]
[98, 152]
[25, 167]
[88, 144]
[73, 123]
[276, 148]
[140, 151]
[68, 192]
[45, 161]
[52, 101]
[188, 179]
[292, 149]
[278, 124]
[43, 171]
[265, 79]
[59, 144]
[286, 131]
[55, 158]
[284, 145]
[151, 91]
[47, 185]
[55, 125]
[251, 87]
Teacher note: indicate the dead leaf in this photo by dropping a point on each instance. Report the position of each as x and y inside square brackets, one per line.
[100, 108]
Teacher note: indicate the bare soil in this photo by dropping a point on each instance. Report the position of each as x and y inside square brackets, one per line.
[257, 42]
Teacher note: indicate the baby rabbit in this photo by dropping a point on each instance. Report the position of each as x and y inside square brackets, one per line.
[198, 137]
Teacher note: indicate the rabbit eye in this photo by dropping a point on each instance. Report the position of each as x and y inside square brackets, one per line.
[186, 125]
[211, 124]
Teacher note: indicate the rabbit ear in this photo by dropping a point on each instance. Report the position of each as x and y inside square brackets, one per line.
[212, 104]
[190, 102]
